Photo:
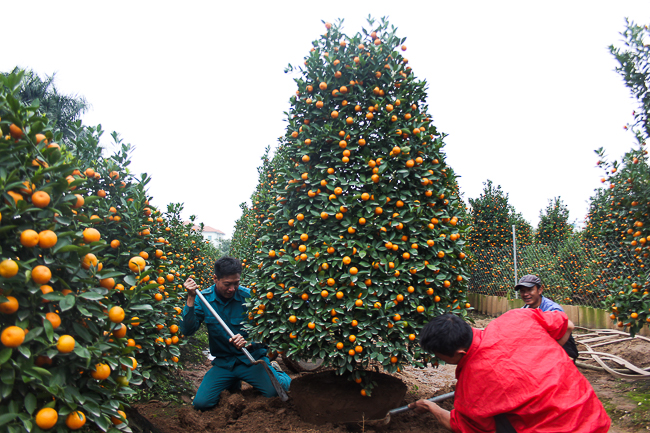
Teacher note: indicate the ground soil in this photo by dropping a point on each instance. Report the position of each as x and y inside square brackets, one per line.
[325, 397]
[627, 402]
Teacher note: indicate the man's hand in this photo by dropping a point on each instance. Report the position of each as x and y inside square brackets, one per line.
[422, 406]
[443, 416]
[238, 341]
[191, 286]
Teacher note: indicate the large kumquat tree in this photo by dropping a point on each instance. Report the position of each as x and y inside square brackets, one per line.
[362, 245]
[620, 211]
[90, 276]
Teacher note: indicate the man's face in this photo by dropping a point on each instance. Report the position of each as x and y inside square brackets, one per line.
[227, 286]
[532, 296]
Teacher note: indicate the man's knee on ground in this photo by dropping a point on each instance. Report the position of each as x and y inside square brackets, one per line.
[200, 403]
[268, 393]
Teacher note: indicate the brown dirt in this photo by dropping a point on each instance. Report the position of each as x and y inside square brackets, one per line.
[327, 397]
[249, 411]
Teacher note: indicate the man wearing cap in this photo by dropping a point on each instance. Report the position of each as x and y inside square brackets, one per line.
[530, 289]
[513, 376]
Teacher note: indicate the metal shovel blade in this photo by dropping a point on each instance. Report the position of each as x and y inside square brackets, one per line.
[386, 419]
[276, 385]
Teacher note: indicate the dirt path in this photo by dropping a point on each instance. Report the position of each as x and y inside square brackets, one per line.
[627, 402]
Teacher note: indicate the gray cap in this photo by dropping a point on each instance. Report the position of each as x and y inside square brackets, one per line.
[528, 281]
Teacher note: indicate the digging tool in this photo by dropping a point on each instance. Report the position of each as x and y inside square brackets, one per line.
[386, 419]
[278, 388]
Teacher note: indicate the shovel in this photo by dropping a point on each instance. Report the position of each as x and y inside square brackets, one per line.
[386, 419]
[278, 388]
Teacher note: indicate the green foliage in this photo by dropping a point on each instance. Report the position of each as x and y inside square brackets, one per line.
[523, 229]
[598, 215]
[83, 279]
[619, 211]
[554, 223]
[363, 228]
[62, 111]
[492, 218]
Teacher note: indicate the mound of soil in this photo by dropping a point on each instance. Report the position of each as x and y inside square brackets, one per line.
[250, 412]
[326, 397]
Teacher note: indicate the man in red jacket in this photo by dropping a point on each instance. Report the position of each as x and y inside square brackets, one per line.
[513, 376]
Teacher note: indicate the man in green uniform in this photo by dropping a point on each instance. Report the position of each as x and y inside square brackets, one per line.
[230, 366]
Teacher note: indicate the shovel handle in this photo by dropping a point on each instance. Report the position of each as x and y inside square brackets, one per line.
[223, 324]
[432, 399]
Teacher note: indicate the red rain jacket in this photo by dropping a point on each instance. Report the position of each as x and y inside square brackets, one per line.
[516, 367]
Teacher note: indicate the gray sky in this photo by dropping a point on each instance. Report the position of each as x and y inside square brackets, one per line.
[525, 90]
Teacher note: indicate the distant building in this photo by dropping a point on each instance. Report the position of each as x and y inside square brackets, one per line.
[210, 233]
[213, 235]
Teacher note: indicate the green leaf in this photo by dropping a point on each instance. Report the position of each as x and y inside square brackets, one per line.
[24, 350]
[5, 354]
[82, 332]
[49, 330]
[67, 302]
[8, 376]
[53, 296]
[81, 351]
[109, 274]
[6, 228]
[67, 248]
[8, 417]
[27, 423]
[61, 243]
[30, 403]
[39, 371]
[84, 311]
[5, 390]
[91, 295]
[92, 408]
[36, 332]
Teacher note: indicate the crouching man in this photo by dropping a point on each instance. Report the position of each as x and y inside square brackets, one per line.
[230, 366]
[530, 289]
[513, 376]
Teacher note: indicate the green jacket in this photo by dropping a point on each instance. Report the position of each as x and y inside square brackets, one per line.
[233, 313]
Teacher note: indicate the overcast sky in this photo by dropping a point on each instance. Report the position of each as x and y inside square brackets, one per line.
[526, 90]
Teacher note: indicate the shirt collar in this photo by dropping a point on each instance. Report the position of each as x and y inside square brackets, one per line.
[477, 336]
[237, 296]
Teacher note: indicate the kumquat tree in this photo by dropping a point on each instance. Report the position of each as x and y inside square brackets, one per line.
[90, 276]
[554, 223]
[620, 211]
[362, 245]
[492, 218]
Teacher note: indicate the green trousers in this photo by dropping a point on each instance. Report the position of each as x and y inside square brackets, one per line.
[218, 379]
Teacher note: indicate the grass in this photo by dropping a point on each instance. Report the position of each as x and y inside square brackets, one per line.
[639, 417]
[192, 351]
[641, 395]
